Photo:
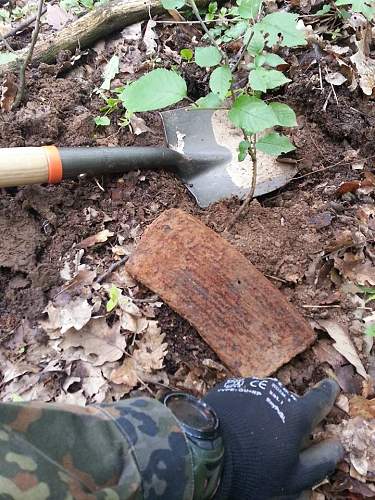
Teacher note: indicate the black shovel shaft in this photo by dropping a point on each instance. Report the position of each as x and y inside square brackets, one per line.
[99, 161]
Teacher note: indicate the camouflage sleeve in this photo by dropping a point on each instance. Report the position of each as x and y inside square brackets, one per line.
[133, 449]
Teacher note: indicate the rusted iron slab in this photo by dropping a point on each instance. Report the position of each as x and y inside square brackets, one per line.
[237, 311]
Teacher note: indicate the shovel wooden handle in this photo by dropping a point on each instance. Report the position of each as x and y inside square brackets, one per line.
[20, 166]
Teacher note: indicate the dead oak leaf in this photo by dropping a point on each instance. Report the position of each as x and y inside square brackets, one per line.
[147, 358]
[73, 314]
[357, 435]
[100, 342]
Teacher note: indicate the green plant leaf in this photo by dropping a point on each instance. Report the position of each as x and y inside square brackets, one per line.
[370, 330]
[102, 121]
[187, 54]
[172, 4]
[369, 291]
[273, 60]
[256, 44]
[243, 149]
[206, 57]
[7, 57]
[155, 90]
[114, 297]
[211, 100]
[265, 79]
[259, 61]
[274, 144]
[251, 114]
[285, 116]
[236, 31]
[281, 27]
[110, 72]
[324, 10]
[248, 9]
[365, 7]
[220, 81]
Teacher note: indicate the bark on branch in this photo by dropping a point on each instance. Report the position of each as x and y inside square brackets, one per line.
[87, 30]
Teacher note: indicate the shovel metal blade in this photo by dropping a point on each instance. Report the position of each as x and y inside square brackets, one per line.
[209, 143]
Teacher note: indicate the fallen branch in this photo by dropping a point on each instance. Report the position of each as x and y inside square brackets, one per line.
[26, 61]
[88, 29]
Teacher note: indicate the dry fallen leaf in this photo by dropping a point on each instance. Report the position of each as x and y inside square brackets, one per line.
[73, 314]
[335, 78]
[365, 67]
[147, 358]
[8, 93]
[56, 17]
[357, 435]
[353, 269]
[149, 38]
[100, 342]
[138, 125]
[343, 344]
[362, 407]
[100, 237]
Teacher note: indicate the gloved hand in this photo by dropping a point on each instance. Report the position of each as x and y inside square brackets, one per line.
[266, 429]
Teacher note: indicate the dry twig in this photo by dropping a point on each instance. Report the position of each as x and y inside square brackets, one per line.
[250, 194]
[24, 64]
[111, 268]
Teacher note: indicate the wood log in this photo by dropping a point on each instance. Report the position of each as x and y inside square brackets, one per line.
[88, 29]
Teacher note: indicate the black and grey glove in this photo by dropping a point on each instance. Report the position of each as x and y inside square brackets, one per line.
[266, 430]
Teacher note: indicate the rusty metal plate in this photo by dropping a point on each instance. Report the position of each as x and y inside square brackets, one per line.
[249, 324]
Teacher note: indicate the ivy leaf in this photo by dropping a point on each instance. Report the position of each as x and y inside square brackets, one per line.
[102, 121]
[363, 6]
[265, 79]
[251, 114]
[210, 101]
[285, 116]
[273, 60]
[243, 149]
[220, 81]
[281, 27]
[206, 57]
[256, 44]
[155, 90]
[172, 4]
[248, 9]
[7, 57]
[110, 72]
[274, 144]
[114, 297]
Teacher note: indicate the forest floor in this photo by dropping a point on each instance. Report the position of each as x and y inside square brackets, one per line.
[313, 239]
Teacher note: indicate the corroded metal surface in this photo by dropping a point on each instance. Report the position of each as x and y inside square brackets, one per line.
[237, 311]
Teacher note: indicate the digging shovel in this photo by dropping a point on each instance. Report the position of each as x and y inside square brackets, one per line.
[201, 148]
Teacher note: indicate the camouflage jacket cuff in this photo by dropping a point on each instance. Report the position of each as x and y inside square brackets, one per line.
[158, 446]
